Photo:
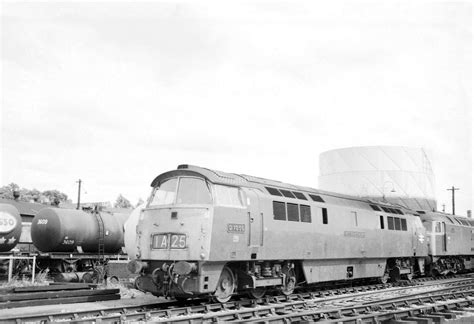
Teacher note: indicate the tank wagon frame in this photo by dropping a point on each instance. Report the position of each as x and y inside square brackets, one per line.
[210, 232]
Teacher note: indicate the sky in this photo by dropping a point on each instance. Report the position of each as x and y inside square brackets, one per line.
[115, 93]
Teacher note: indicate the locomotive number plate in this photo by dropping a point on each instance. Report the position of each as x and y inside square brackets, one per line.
[169, 241]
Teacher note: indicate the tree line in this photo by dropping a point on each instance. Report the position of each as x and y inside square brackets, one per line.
[52, 197]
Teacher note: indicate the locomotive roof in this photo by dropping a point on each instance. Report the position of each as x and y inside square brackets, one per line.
[233, 179]
[449, 219]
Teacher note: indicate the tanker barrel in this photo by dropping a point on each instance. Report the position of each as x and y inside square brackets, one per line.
[63, 230]
[10, 227]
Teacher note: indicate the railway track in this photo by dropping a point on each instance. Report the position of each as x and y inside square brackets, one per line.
[339, 305]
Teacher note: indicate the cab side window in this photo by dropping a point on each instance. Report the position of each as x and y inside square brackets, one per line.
[228, 196]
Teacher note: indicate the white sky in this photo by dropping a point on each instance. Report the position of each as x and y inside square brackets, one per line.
[117, 93]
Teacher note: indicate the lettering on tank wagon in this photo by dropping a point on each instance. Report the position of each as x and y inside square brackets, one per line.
[68, 241]
[7, 222]
[235, 228]
[354, 234]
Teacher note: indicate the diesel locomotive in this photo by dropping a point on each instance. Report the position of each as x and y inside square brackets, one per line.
[207, 232]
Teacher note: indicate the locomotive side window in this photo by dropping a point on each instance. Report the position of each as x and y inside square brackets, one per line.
[292, 210]
[193, 191]
[305, 212]
[287, 193]
[316, 198]
[394, 223]
[398, 225]
[381, 222]
[299, 195]
[325, 216]
[228, 196]
[165, 193]
[437, 227]
[404, 224]
[464, 222]
[375, 207]
[273, 191]
[279, 212]
[390, 224]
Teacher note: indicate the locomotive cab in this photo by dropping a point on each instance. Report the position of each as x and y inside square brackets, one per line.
[447, 234]
[174, 233]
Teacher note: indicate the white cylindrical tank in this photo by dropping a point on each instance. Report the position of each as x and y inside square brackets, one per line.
[401, 175]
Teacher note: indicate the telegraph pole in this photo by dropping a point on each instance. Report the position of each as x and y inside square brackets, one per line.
[452, 189]
[79, 194]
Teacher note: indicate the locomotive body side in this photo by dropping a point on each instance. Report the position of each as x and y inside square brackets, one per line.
[206, 231]
[344, 238]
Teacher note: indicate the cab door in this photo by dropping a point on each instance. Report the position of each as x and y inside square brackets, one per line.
[445, 237]
[255, 218]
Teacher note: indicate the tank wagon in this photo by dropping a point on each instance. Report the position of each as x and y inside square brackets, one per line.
[72, 230]
[10, 227]
[209, 232]
[71, 240]
[63, 240]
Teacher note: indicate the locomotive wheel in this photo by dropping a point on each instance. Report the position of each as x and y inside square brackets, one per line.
[384, 279]
[290, 281]
[258, 292]
[225, 286]
[140, 283]
[394, 274]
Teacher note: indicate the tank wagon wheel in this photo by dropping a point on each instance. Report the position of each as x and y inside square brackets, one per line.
[225, 286]
[290, 281]
[114, 280]
[258, 292]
